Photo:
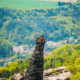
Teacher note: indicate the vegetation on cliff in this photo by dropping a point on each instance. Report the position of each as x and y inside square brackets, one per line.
[66, 55]
[15, 67]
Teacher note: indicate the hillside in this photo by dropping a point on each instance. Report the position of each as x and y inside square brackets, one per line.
[66, 55]
[56, 24]
[15, 67]
[6, 48]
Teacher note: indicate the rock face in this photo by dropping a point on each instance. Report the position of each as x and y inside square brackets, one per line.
[17, 77]
[35, 69]
[61, 73]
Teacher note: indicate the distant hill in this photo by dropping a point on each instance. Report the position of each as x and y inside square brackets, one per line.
[56, 24]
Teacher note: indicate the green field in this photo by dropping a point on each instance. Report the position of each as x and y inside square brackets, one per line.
[27, 4]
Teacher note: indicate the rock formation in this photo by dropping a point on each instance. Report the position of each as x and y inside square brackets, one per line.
[60, 73]
[35, 69]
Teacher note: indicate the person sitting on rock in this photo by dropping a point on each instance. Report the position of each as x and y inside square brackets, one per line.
[42, 38]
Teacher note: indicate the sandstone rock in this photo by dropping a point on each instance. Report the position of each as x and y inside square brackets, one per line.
[58, 75]
[17, 77]
[35, 69]
[48, 72]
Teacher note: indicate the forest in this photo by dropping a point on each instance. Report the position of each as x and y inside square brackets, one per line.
[6, 48]
[23, 26]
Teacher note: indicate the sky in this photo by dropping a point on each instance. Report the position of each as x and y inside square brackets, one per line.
[30, 4]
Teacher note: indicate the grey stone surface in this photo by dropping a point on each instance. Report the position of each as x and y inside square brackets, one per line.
[35, 69]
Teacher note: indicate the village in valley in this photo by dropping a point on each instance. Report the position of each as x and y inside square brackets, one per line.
[22, 51]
